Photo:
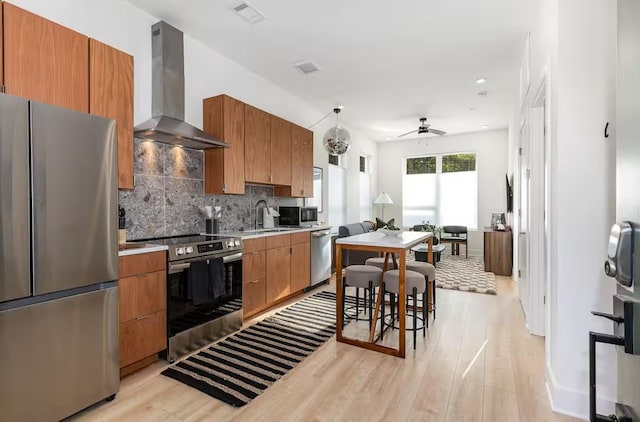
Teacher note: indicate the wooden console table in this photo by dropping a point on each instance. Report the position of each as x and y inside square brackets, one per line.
[497, 252]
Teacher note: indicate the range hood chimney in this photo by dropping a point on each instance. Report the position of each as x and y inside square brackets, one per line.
[167, 97]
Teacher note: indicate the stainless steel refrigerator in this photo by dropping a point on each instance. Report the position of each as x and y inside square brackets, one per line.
[58, 261]
[623, 261]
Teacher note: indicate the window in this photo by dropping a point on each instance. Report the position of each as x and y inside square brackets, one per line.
[337, 196]
[365, 190]
[441, 189]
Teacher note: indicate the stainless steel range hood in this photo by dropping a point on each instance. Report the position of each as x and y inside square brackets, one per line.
[167, 96]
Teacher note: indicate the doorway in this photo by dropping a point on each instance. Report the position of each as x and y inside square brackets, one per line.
[533, 235]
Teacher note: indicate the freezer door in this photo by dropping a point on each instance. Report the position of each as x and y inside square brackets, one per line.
[15, 246]
[74, 199]
[628, 174]
[59, 357]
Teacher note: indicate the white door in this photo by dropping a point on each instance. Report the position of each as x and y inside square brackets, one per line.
[523, 217]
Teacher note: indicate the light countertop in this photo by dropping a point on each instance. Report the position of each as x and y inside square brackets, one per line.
[249, 234]
[146, 249]
[405, 240]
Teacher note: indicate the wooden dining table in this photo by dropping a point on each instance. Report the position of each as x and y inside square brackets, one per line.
[389, 246]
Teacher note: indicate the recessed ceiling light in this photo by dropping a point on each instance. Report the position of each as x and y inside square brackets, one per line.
[484, 126]
[248, 13]
[387, 139]
[306, 67]
[483, 93]
[481, 80]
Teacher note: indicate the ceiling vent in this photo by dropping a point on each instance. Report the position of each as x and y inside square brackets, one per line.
[306, 67]
[248, 13]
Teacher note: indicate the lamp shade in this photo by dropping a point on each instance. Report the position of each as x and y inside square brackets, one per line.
[383, 198]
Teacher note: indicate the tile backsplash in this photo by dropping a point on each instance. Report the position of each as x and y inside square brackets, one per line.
[169, 189]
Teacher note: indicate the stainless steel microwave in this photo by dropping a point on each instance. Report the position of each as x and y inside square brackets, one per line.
[298, 216]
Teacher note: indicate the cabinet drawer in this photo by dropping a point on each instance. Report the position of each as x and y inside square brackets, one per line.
[253, 266]
[252, 245]
[278, 241]
[142, 337]
[142, 294]
[304, 237]
[253, 295]
[142, 263]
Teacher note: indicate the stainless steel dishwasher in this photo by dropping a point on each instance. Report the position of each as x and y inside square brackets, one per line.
[320, 256]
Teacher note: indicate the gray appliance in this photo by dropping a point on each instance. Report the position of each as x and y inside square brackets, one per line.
[623, 260]
[167, 96]
[58, 261]
[320, 256]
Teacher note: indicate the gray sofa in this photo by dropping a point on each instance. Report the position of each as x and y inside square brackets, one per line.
[350, 257]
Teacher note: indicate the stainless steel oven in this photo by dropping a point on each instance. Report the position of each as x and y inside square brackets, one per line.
[204, 291]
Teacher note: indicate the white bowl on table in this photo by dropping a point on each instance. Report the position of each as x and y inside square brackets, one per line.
[388, 232]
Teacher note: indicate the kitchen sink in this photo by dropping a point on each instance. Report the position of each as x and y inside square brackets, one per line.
[274, 230]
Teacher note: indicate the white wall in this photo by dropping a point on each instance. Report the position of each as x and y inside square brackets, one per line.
[207, 73]
[491, 164]
[574, 49]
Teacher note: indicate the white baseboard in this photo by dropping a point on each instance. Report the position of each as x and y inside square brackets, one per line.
[572, 402]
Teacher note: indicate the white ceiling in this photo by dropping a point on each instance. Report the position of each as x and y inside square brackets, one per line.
[388, 62]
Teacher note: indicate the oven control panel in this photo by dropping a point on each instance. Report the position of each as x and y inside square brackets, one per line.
[210, 247]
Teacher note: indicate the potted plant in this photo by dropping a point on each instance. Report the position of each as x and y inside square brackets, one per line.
[436, 230]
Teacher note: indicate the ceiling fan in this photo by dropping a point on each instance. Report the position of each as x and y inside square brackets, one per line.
[424, 128]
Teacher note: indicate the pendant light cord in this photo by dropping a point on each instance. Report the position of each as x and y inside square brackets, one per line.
[325, 116]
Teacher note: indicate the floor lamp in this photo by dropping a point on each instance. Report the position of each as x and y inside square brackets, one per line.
[383, 199]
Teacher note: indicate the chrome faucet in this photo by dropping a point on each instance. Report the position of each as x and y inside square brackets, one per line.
[259, 220]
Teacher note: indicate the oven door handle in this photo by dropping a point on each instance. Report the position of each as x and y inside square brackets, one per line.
[176, 268]
[232, 258]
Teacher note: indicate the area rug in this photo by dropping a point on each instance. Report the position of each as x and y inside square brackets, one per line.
[466, 274]
[239, 368]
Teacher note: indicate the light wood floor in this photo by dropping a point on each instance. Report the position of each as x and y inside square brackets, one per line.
[477, 363]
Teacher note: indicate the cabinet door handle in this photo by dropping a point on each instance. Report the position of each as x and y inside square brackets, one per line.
[140, 318]
[253, 282]
[224, 187]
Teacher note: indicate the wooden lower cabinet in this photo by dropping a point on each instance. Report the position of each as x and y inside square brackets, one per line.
[253, 295]
[253, 277]
[274, 268]
[300, 266]
[300, 261]
[142, 337]
[278, 273]
[143, 306]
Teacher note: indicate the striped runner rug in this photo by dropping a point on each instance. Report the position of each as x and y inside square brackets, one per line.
[239, 368]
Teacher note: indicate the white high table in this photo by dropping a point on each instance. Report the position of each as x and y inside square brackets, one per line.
[389, 245]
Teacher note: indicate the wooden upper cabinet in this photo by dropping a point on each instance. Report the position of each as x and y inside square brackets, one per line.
[280, 151]
[307, 162]
[257, 145]
[111, 95]
[223, 118]
[44, 61]
[301, 165]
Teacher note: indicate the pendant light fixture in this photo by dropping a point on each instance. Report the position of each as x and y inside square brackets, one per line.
[337, 140]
